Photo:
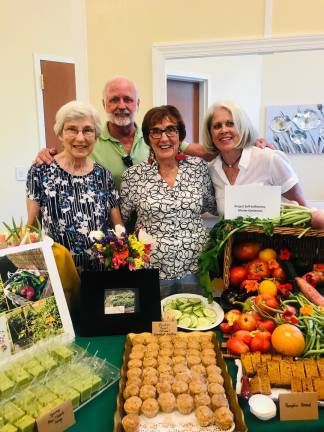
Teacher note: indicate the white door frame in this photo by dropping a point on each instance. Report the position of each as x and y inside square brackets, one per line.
[161, 52]
[39, 92]
[204, 91]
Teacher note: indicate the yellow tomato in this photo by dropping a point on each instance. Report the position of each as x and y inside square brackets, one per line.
[267, 254]
[268, 286]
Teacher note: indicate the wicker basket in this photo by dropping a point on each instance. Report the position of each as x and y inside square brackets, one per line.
[31, 259]
[310, 246]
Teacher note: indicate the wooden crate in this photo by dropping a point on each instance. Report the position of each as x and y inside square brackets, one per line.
[309, 247]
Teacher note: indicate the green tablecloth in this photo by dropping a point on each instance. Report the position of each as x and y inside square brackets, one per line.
[98, 415]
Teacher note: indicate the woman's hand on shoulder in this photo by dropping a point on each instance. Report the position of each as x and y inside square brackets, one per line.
[45, 156]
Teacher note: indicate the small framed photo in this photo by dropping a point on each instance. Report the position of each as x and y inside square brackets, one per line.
[119, 301]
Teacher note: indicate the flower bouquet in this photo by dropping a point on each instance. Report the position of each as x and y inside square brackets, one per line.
[117, 248]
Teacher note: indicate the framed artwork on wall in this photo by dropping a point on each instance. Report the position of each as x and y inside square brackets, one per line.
[296, 129]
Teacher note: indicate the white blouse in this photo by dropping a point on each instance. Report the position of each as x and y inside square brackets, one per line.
[172, 215]
[257, 166]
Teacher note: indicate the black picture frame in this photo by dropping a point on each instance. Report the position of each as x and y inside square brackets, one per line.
[93, 319]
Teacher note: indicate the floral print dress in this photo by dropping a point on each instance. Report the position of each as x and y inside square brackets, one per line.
[172, 215]
[72, 206]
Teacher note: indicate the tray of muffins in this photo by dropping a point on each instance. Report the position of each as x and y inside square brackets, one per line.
[176, 383]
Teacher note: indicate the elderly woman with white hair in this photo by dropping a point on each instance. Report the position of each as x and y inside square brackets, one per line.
[74, 195]
[228, 134]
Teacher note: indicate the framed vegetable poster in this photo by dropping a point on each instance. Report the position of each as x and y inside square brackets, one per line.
[119, 301]
[33, 308]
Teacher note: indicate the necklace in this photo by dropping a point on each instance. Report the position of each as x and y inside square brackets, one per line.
[232, 164]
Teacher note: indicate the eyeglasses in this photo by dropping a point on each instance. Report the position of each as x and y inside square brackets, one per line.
[128, 161]
[170, 131]
[87, 132]
[219, 125]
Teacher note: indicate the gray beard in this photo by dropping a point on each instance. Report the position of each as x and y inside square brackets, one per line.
[119, 121]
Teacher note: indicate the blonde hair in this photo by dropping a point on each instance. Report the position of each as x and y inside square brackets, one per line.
[247, 132]
[76, 110]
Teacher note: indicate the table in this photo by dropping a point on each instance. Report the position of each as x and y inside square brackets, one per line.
[98, 415]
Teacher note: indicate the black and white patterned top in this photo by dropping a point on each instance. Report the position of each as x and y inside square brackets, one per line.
[172, 215]
[72, 206]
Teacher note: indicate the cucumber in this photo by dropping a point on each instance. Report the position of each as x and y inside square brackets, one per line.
[185, 321]
[203, 322]
[194, 321]
[199, 313]
[210, 313]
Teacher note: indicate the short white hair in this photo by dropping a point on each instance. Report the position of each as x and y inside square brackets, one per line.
[76, 110]
[115, 80]
[247, 132]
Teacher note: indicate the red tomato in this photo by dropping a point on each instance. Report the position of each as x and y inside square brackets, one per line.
[246, 251]
[258, 269]
[237, 275]
[266, 324]
[246, 322]
[243, 335]
[261, 342]
[226, 328]
[269, 302]
[237, 346]
[279, 274]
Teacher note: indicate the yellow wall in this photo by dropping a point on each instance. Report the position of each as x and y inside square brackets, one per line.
[46, 27]
[121, 34]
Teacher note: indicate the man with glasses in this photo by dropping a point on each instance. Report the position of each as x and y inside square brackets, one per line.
[121, 142]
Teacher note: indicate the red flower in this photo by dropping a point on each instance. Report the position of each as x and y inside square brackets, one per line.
[250, 285]
[273, 264]
[181, 156]
[285, 254]
[285, 289]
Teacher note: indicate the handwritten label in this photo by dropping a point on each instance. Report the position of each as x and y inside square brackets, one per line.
[164, 327]
[252, 201]
[298, 406]
[58, 419]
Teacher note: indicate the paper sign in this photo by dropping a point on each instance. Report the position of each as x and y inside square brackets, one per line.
[252, 201]
[58, 419]
[298, 406]
[164, 327]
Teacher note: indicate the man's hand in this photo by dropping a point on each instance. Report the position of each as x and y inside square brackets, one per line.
[262, 143]
[45, 156]
[198, 151]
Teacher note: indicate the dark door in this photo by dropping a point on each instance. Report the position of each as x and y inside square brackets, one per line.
[58, 85]
[185, 96]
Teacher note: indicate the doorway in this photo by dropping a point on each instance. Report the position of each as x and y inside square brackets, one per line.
[56, 85]
[189, 95]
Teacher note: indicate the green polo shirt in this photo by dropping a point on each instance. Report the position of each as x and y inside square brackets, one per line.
[108, 152]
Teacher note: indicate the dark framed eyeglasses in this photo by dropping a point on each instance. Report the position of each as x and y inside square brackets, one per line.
[170, 131]
[128, 161]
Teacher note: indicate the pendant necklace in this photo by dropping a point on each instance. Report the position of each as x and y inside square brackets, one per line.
[232, 164]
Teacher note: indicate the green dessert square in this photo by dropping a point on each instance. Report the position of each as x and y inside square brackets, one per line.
[36, 370]
[46, 398]
[11, 412]
[25, 423]
[62, 353]
[72, 395]
[5, 384]
[96, 382]
[18, 375]
[8, 428]
[47, 361]
[84, 388]
[39, 390]
[24, 398]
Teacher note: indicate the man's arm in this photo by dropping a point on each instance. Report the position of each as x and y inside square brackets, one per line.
[199, 151]
[45, 156]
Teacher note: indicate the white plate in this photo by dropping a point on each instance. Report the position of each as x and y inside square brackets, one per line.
[215, 306]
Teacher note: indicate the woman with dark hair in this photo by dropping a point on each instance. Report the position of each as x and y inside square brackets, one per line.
[169, 194]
